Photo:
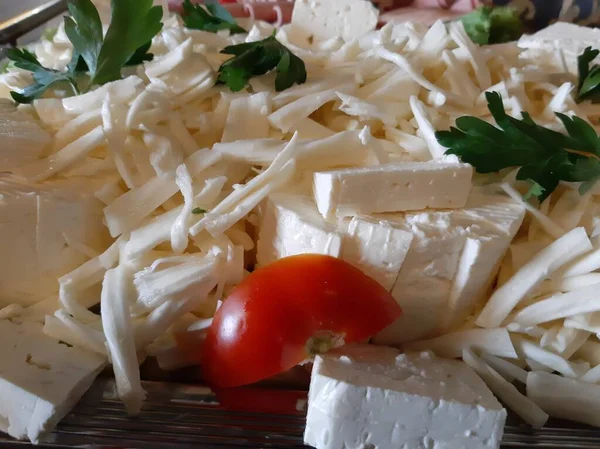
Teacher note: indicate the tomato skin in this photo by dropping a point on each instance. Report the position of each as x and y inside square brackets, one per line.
[263, 328]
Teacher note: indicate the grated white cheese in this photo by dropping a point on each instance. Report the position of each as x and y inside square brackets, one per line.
[557, 254]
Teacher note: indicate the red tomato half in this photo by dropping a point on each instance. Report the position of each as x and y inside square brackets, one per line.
[284, 313]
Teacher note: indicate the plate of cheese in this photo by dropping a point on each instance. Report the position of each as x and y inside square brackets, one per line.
[331, 232]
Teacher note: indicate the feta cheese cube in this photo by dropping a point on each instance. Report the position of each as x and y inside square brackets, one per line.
[328, 19]
[377, 248]
[453, 258]
[35, 224]
[291, 225]
[40, 379]
[392, 187]
[368, 396]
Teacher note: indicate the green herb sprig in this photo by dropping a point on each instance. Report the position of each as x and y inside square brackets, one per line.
[257, 58]
[487, 25]
[97, 59]
[544, 157]
[212, 18]
[588, 87]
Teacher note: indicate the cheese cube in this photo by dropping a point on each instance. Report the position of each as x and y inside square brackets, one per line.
[368, 396]
[40, 379]
[377, 248]
[35, 224]
[23, 139]
[291, 225]
[392, 187]
[328, 19]
[453, 258]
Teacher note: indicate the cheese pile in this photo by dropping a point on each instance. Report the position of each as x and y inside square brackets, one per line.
[153, 195]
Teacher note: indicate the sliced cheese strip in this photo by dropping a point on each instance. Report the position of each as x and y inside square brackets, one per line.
[339, 149]
[493, 341]
[121, 91]
[241, 201]
[42, 169]
[506, 369]
[119, 332]
[158, 230]
[582, 300]
[529, 350]
[247, 118]
[286, 118]
[508, 393]
[557, 254]
[130, 209]
[565, 398]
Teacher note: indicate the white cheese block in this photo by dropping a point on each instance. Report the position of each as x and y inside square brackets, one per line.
[22, 139]
[327, 19]
[40, 380]
[377, 248]
[392, 187]
[291, 225]
[454, 257]
[571, 40]
[35, 224]
[367, 396]
[566, 36]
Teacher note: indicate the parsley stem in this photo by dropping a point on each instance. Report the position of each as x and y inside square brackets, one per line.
[76, 90]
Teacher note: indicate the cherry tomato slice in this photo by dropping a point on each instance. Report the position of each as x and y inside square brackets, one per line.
[286, 312]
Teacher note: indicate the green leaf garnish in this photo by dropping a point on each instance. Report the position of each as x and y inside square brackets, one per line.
[43, 78]
[133, 25]
[212, 18]
[487, 25]
[199, 211]
[257, 58]
[589, 77]
[545, 157]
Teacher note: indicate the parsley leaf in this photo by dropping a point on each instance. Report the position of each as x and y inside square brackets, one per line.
[545, 157]
[589, 77]
[43, 78]
[487, 25]
[84, 30]
[133, 25]
[212, 19]
[257, 58]
[199, 211]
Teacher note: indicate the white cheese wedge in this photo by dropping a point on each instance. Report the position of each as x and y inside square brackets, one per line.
[324, 20]
[23, 139]
[454, 257]
[41, 379]
[366, 396]
[392, 187]
[291, 225]
[377, 248]
[36, 225]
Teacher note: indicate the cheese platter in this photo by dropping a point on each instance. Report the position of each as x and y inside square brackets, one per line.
[325, 228]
